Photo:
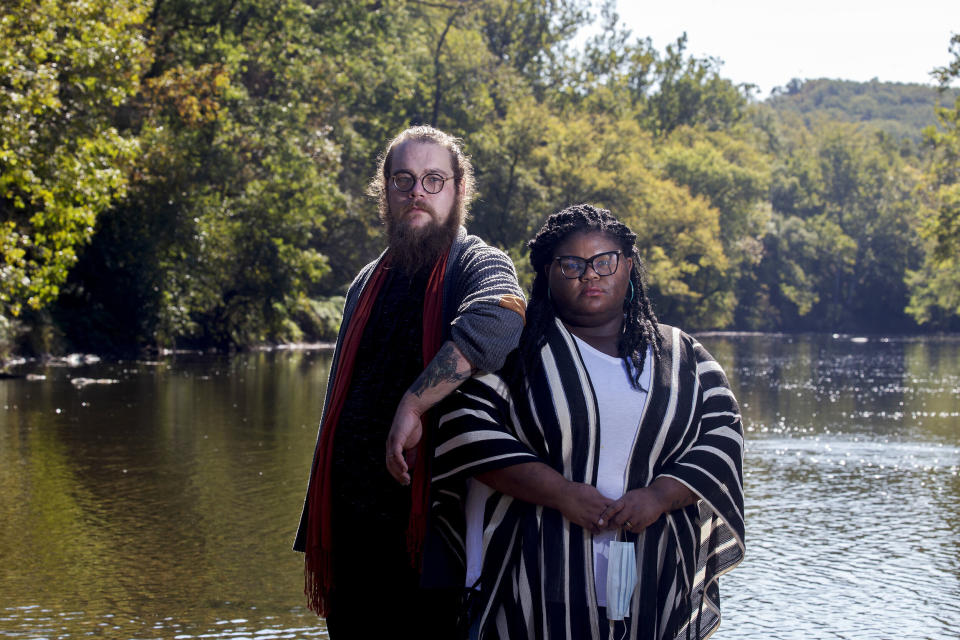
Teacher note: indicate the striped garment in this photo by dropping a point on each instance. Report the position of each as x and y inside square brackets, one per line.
[537, 579]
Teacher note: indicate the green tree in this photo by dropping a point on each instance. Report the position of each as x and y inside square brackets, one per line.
[726, 169]
[66, 69]
[218, 241]
[612, 163]
[801, 259]
[935, 286]
[690, 91]
[856, 189]
[510, 206]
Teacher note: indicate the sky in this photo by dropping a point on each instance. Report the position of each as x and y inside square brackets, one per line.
[769, 42]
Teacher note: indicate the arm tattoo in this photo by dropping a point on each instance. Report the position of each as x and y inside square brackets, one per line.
[443, 368]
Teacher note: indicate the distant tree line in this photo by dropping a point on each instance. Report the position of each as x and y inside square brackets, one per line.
[899, 109]
[187, 173]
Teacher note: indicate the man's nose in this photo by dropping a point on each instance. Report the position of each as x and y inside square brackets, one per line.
[417, 189]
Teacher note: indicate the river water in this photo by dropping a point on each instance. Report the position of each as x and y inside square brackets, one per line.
[159, 499]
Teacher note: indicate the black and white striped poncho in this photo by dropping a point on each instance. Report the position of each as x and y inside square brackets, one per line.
[537, 579]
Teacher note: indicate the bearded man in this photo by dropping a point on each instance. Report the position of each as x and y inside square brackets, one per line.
[436, 306]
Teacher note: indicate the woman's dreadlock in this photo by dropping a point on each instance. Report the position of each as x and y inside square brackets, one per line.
[640, 324]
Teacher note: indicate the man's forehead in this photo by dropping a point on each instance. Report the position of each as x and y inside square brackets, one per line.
[421, 155]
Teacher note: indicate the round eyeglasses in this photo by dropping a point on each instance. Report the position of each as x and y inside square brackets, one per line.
[404, 181]
[604, 264]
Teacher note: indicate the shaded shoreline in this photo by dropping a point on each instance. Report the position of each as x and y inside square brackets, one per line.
[8, 372]
[79, 359]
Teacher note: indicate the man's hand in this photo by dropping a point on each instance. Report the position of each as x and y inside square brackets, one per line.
[405, 435]
[447, 371]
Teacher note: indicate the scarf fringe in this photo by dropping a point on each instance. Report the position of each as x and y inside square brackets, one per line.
[317, 583]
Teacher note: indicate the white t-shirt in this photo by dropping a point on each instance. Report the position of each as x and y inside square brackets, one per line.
[477, 494]
[621, 407]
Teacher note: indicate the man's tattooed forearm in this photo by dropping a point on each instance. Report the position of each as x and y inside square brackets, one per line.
[443, 368]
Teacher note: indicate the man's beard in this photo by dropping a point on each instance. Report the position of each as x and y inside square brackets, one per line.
[413, 248]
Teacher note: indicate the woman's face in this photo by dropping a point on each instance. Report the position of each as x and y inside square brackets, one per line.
[591, 299]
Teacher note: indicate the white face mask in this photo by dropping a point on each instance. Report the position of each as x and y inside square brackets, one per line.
[621, 579]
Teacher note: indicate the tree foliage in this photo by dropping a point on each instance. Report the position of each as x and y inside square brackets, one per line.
[192, 173]
[936, 284]
[220, 238]
[66, 68]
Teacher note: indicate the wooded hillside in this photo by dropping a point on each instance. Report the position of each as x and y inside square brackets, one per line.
[902, 110]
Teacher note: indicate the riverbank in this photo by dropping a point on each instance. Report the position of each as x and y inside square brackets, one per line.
[9, 366]
[13, 367]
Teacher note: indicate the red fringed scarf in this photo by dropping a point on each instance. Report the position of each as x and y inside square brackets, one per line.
[318, 565]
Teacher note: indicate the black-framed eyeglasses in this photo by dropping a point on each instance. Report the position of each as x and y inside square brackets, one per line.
[404, 181]
[605, 264]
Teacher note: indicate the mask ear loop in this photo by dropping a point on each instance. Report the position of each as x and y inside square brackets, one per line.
[613, 627]
[621, 534]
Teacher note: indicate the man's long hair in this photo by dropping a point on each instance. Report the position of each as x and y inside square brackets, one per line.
[640, 328]
[462, 169]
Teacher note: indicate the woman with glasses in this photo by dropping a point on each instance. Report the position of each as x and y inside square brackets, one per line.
[592, 488]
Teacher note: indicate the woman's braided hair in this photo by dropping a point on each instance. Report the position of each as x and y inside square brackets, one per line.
[640, 324]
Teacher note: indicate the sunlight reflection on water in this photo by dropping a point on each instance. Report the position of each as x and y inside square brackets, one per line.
[164, 505]
[865, 545]
[35, 622]
[852, 477]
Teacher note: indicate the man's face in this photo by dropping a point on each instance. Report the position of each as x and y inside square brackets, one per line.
[416, 208]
